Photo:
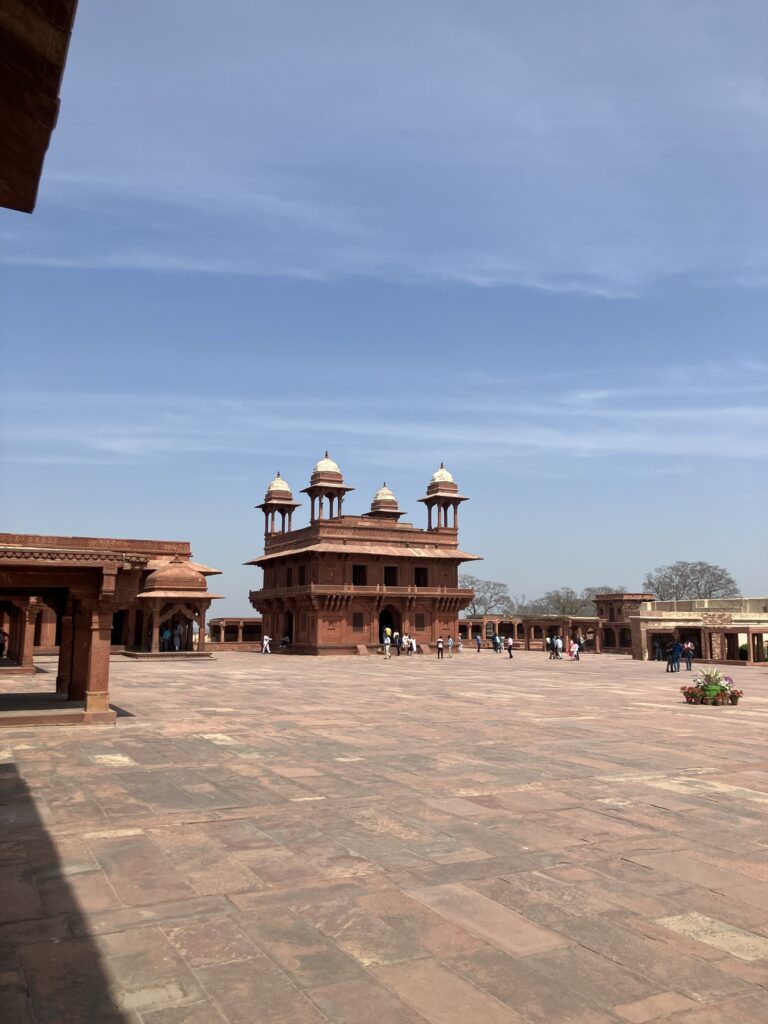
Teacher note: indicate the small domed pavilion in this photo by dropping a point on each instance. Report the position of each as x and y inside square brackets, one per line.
[175, 596]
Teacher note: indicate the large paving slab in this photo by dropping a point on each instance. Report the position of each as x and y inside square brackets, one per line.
[278, 840]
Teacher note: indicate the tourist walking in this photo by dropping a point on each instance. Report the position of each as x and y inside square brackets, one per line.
[440, 647]
[688, 653]
[265, 642]
[549, 646]
[559, 647]
[450, 646]
[658, 650]
[460, 646]
[165, 639]
[510, 646]
[177, 634]
[574, 650]
[413, 644]
[398, 643]
[407, 643]
[387, 645]
[479, 642]
[668, 653]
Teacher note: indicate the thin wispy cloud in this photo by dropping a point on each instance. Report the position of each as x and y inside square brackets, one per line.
[578, 148]
[591, 424]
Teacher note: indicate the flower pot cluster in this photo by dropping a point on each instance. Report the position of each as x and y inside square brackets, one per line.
[710, 686]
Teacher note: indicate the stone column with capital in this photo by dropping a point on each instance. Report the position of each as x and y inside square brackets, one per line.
[64, 674]
[201, 635]
[27, 644]
[97, 680]
[155, 645]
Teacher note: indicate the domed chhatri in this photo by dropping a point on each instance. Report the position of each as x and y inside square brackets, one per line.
[384, 494]
[442, 494]
[326, 490]
[326, 469]
[442, 482]
[278, 487]
[442, 475]
[278, 501]
[174, 579]
[384, 505]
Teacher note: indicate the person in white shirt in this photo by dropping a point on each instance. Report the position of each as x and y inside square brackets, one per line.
[266, 641]
[510, 646]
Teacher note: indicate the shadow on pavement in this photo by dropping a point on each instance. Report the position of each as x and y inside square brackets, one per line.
[52, 971]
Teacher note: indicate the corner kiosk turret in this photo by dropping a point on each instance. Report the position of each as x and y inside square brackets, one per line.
[333, 586]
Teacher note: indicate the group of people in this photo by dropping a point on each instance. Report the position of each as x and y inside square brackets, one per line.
[498, 642]
[400, 642]
[673, 652]
[171, 639]
[555, 646]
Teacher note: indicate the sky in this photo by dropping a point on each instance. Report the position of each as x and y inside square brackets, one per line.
[526, 239]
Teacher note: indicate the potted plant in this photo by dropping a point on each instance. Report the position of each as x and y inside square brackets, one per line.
[734, 695]
[711, 682]
[687, 692]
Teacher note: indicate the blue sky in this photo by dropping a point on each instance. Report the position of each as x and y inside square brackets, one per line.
[526, 239]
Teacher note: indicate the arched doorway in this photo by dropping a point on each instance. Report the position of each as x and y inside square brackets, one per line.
[389, 617]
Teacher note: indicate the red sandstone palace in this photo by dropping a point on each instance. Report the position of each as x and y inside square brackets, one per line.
[334, 586]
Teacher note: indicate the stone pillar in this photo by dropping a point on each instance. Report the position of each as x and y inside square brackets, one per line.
[27, 640]
[750, 650]
[222, 633]
[81, 651]
[201, 635]
[97, 680]
[598, 643]
[240, 631]
[706, 646]
[155, 645]
[64, 675]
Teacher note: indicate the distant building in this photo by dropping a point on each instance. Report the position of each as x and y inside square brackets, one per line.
[731, 629]
[335, 586]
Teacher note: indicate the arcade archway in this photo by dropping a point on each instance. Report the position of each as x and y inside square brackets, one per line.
[390, 617]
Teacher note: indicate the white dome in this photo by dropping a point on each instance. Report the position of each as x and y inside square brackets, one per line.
[442, 476]
[326, 465]
[278, 484]
[384, 494]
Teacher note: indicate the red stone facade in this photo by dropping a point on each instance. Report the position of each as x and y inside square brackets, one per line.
[333, 587]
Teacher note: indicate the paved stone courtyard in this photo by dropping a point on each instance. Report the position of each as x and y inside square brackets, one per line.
[295, 841]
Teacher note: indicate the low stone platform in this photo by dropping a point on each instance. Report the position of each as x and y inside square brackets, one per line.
[165, 655]
[362, 841]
